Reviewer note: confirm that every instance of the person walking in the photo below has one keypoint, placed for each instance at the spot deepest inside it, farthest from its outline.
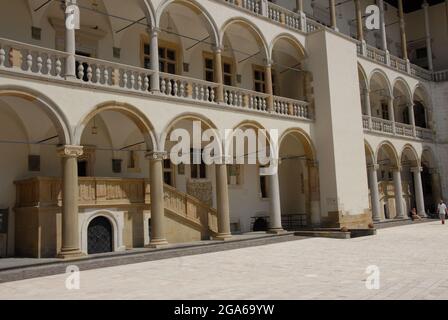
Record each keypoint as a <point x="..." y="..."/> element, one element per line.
<point x="442" y="210"/>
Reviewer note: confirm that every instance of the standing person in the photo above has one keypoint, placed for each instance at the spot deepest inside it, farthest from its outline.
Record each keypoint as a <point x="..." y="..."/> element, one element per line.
<point x="442" y="210"/>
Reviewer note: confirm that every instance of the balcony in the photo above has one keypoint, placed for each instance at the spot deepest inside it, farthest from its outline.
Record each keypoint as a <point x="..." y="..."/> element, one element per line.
<point x="297" y="22"/>
<point x="24" y="60"/>
<point x="387" y="127"/>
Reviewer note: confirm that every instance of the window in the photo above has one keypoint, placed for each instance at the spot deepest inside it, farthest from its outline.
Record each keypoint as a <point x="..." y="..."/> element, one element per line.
<point x="168" y="176"/>
<point x="385" y="111"/>
<point x="264" y="191"/>
<point x="264" y="187"/>
<point x="260" y="80"/>
<point x="167" y="57"/>
<point x="421" y="53"/>
<point x="234" y="174"/>
<point x="209" y="69"/>
<point x="198" y="171"/>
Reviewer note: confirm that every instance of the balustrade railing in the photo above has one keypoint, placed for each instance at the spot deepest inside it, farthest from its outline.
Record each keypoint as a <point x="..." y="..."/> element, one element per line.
<point x="46" y="192"/>
<point x="290" y="107"/>
<point x="375" y="54"/>
<point x="110" y="74"/>
<point x="397" y="128"/>
<point x="188" y="88"/>
<point x="31" y="59"/>
<point x="421" y="73"/>
<point x="284" y="16"/>
<point x="251" y="5"/>
<point x="242" y="98"/>
<point x="440" y="76"/>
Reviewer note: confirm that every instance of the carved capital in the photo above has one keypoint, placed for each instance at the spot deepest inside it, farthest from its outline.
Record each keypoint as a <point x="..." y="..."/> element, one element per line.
<point x="156" y="155"/>
<point x="374" y="167"/>
<point x="218" y="49"/>
<point x="70" y="151"/>
<point x="416" y="169"/>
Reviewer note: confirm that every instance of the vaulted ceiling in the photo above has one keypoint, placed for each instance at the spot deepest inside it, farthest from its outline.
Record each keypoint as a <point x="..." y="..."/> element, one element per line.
<point x="413" y="5"/>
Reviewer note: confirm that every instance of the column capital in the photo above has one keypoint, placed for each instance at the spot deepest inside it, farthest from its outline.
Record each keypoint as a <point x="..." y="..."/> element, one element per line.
<point x="156" y="155"/>
<point x="154" y="31"/>
<point x="425" y="4"/>
<point x="269" y="63"/>
<point x="374" y="167"/>
<point x="416" y="169"/>
<point x="397" y="168"/>
<point x="70" y="2"/>
<point x="218" y="49"/>
<point x="69" y="151"/>
<point x="312" y="164"/>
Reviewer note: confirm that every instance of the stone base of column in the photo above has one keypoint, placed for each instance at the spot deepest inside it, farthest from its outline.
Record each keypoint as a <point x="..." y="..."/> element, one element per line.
<point x="156" y="244"/>
<point x="71" y="254"/>
<point x="222" y="236"/>
<point x="422" y="214"/>
<point x="276" y="231"/>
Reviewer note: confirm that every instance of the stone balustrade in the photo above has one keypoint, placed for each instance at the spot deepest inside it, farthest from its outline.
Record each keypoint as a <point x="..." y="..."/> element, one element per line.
<point x="290" y="107"/>
<point x="242" y="98"/>
<point x="29" y="59"/>
<point x="284" y="16"/>
<point x="188" y="88"/>
<point x="110" y="74"/>
<point x="373" y="124"/>
<point x="24" y="59"/>
<point x="99" y="192"/>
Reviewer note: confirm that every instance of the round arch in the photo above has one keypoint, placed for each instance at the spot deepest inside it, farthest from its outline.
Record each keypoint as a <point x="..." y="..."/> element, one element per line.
<point x="390" y="150"/>
<point x="253" y="28"/>
<point x="370" y="153"/>
<point x="303" y="138"/>
<point x="382" y="77"/>
<point x="365" y="79"/>
<point x="186" y="116"/>
<point x="409" y="150"/>
<point x="50" y="108"/>
<point x="195" y="6"/>
<point x="400" y="82"/>
<point x="291" y="40"/>
<point x="139" y="119"/>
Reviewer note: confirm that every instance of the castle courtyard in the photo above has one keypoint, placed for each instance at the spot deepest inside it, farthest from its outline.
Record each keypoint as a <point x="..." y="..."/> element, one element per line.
<point x="412" y="262"/>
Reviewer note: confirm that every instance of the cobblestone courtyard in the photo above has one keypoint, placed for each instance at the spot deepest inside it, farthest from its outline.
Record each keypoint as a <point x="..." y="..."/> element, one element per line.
<point x="413" y="263"/>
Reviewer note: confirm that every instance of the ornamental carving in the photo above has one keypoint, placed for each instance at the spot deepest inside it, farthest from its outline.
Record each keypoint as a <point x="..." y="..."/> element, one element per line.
<point x="70" y="151"/>
<point x="201" y="190"/>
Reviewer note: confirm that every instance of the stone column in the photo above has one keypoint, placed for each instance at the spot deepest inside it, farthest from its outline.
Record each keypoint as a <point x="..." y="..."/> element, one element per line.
<point x="368" y="107"/>
<point x="70" y="39"/>
<point x="313" y="172"/>
<point x="411" y="116"/>
<point x="435" y="185"/>
<point x="222" y="202"/>
<point x="404" y="45"/>
<point x="333" y="17"/>
<point x="383" y="30"/>
<point x="157" y="199"/>
<point x="392" y="112"/>
<point x="374" y="194"/>
<point x="218" y="74"/>
<point x="269" y="87"/>
<point x="275" y="218"/>
<point x="70" y="232"/>
<point x="154" y="47"/>
<point x="359" y="23"/>
<point x="428" y="35"/>
<point x="419" y="198"/>
<point x="301" y="12"/>
<point x="399" y="208"/>
<point x="299" y="6"/>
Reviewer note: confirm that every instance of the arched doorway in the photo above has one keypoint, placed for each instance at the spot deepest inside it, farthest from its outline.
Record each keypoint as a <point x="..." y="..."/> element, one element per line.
<point x="298" y="181"/>
<point x="99" y="236"/>
<point x="389" y="180"/>
<point x="430" y="181"/>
